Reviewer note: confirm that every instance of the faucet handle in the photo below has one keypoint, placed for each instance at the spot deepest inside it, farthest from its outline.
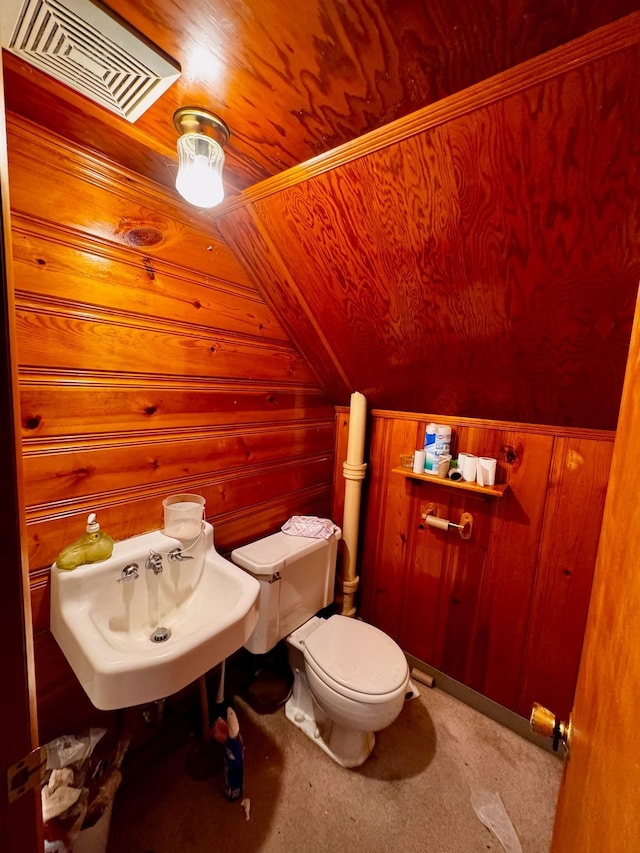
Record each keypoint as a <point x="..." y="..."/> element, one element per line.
<point x="154" y="562"/>
<point x="176" y="554"/>
<point x="129" y="573"/>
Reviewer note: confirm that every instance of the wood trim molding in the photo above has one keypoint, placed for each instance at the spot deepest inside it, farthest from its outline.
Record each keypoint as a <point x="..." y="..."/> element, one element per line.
<point x="570" y="432"/>
<point x="107" y="380"/>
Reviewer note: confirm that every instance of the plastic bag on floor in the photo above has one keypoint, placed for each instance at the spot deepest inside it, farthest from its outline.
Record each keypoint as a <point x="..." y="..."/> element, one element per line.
<point x="490" y="810"/>
<point x="81" y="778"/>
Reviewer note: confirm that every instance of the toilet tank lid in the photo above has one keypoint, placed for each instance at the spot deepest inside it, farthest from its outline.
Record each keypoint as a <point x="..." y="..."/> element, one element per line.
<point x="271" y="554"/>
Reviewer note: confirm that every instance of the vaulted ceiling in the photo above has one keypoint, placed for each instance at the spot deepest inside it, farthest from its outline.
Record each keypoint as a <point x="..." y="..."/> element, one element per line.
<point x="296" y="79"/>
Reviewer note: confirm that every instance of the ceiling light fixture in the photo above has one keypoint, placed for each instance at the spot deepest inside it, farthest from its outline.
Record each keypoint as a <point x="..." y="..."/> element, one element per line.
<point x="200" y="154"/>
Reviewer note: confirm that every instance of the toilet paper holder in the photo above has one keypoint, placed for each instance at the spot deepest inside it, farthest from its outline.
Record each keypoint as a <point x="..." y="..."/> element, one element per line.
<point x="464" y="528"/>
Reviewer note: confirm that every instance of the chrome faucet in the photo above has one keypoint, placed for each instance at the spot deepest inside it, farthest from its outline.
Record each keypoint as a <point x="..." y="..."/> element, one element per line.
<point x="129" y="573"/>
<point x="154" y="562"/>
<point x="177" y="554"/>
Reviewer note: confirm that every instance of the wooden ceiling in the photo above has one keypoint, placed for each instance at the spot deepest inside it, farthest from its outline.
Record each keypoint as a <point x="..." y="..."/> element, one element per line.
<point x="296" y="79"/>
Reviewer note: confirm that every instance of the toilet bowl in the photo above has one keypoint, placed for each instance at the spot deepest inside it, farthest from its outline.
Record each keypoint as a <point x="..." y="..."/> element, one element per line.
<point x="350" y="680"/>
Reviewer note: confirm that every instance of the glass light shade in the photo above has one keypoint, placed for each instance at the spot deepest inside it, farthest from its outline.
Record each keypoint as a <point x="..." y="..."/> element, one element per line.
<point x="200" y="163"/>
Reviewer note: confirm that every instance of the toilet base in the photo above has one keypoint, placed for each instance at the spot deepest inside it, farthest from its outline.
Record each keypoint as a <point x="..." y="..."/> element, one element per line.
<point x="347" y="747"/>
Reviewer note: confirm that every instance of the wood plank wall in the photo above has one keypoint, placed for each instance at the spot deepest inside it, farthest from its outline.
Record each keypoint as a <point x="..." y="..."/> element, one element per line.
<point x="503" y="612"/>
<point x="148" y="365"/>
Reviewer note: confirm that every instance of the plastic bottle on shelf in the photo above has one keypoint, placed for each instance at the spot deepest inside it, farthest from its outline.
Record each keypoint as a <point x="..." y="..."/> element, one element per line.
<point x="430" y="438"/>
<point x="442" y="439"/>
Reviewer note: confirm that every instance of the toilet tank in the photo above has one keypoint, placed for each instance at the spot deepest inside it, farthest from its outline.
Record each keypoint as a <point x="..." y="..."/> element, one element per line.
<point x="296" y="576"/>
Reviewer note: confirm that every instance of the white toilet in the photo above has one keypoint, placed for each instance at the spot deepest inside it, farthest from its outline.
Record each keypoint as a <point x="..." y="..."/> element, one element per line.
<point x="350" y="679"/>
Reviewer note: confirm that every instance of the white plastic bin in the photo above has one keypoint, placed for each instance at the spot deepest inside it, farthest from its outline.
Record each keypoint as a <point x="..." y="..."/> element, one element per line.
<point x="96" y="838"/>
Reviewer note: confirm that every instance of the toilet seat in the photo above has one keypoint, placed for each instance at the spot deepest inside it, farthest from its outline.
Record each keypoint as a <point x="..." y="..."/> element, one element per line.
<point x="357" y="660"/>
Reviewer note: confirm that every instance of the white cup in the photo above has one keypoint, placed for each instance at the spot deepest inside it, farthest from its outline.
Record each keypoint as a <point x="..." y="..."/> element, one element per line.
<point x="486" y="471"/>
<point x="183" y="516"/>
<point x="467" y="464"/>
<point x="418" y="462"/>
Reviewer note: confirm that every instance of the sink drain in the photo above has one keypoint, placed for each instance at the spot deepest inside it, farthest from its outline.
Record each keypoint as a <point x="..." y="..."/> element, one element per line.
<point x="160" y="635"/>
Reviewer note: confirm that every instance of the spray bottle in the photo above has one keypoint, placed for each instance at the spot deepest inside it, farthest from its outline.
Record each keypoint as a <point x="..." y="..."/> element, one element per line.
<point x="233" y="758"/>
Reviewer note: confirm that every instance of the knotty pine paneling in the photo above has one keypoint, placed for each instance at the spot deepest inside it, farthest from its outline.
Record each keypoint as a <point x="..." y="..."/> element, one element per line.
<point x="96" y="341"/>
<point x="484" y="265"/>
<point x="63" y="473"/>
<point x="61" y="405"/>
<point x="504" y="611"/>
<point x="146" y="369"/>
<point x="505" y="600"/>
<point x="386" y="526"/>
<point x="567" y="555"/>
<point x="462" y="577"/>
<point x="57" y="265"/>
<point x="95" y="199"/>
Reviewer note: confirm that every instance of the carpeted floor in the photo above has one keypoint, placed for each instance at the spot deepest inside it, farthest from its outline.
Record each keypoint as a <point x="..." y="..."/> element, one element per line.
<point x="413" y="794"/>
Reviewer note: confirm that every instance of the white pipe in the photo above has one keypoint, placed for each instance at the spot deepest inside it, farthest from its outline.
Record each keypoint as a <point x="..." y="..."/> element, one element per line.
<point x="353" y="471"/>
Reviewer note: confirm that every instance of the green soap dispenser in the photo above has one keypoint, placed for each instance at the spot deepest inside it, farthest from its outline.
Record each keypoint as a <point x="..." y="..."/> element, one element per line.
<point x="92" y="547"/>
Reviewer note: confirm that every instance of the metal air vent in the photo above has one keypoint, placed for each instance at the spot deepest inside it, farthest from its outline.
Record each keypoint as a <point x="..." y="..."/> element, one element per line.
<point x="89" y="50"/>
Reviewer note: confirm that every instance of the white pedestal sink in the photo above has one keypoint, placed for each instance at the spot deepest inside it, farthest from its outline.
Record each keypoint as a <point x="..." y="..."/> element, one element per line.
<point x="112" y="625"/>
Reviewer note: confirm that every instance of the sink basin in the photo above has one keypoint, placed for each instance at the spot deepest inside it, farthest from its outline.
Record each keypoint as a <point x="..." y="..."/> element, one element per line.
<point x="198" y="611"/>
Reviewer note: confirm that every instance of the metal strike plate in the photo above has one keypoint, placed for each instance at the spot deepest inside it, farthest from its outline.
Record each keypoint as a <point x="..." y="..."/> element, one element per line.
<point x="26" y="774"/>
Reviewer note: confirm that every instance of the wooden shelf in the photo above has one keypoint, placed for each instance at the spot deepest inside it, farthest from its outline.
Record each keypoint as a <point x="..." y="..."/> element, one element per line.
<point x="496" y="491"/>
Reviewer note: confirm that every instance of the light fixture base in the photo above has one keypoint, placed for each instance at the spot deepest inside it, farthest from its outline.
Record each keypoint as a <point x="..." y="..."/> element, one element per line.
<point x="199" y="120"/>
